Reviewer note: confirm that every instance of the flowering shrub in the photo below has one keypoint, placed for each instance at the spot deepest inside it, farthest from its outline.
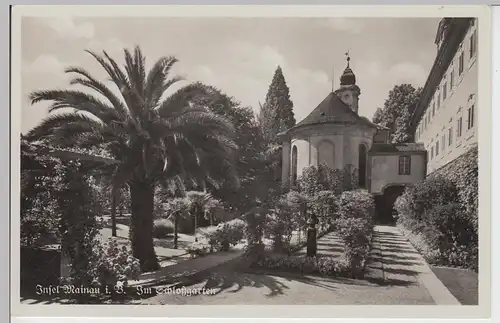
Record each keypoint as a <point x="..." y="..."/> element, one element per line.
<point x="162" y="228"/>
<point x="198" y="248"/>
<point x="433" y="215"/>
<point x="354" y="226"/>
<point x="113" y="264"/>
<point x="463" y="172"/>
<point x="307" y="265"/>
<point x="281" y="221"/>
<point x="419" y="198"/>
<point x="324" y="206"/>
<point x="220" y="237"/>
<point x="447" y="237"/>
<point x="319" y="178"/>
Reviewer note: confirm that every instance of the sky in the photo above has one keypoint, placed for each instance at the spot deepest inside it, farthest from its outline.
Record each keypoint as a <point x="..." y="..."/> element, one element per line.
<point x="237" y="55"/>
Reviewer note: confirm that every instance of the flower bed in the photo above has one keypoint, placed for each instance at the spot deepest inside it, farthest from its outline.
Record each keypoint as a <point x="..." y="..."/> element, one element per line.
<point x="326" y="266"/>
<point x="218" y="238"/>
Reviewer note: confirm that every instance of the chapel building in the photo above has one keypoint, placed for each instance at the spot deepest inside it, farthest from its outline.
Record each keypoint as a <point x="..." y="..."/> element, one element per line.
<point x="336" y="135"/>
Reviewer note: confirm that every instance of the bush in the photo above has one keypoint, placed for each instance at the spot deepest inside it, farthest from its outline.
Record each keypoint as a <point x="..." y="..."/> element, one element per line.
<point x="463" y="172"/>
<point x="222" y="236"/>
<point x="113" y="264"/>
<point x="324" y="206"/>
<point x="198" y="249"/>
<point x="435" y="219"/>
<point x="319" y="178"/>
<point x="419" y="198"/>
<point x="162" y="228"/>
<point x="448" y="237"/>
<point x="354" y="226"/>
<point x="281" y="222"/>
<point x="306" y="265"/>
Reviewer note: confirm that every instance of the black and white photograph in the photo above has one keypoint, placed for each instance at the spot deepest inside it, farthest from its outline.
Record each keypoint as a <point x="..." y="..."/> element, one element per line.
<point x="250" y="160"/>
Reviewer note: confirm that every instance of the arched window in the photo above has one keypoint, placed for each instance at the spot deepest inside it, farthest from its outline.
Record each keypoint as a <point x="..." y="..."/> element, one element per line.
<point x="294" y="165"/>
<point x="326" y="154"/>
<point x="362" y="165"/>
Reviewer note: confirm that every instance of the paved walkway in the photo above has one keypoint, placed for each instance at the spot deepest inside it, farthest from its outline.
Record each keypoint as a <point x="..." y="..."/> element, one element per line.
<point x="395" y="275"/>
<point x="185" y="269"/>
<point x="394" y="261"/>
<point x="328" y="245"/>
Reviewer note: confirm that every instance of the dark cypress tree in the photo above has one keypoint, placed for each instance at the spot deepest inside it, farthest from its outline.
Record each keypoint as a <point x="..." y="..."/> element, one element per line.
<point x="276" y="113"/>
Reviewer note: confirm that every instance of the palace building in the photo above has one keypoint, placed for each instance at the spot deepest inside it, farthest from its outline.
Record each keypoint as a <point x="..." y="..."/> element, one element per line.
<point x="445" y="119"/>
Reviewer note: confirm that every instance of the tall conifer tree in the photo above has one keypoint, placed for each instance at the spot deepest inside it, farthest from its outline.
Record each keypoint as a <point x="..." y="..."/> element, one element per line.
<point x="276" y="113"/>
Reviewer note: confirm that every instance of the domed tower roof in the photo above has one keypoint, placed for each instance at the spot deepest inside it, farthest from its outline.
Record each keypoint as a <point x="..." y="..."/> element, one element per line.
<point x="348" y="77"/>
<point x="333" y="111"/>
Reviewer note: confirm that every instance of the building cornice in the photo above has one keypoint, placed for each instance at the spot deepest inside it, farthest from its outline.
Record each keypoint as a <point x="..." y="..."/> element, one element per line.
<point x="456" y="31"/>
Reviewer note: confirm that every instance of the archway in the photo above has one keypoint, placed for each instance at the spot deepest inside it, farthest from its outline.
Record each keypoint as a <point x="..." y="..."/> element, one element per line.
<point x="384" y="203"/>
<point x="294" y="165"/>
<point x="362" y="166"/>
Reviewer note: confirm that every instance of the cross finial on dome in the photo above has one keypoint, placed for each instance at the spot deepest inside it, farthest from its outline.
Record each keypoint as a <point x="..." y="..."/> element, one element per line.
<point x="348" y="77"/>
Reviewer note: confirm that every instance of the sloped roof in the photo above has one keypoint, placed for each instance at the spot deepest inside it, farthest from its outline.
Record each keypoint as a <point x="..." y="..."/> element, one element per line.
<point x="394" y="148"/>
<point x="380" y="127"/>
<point x="333" y="110"/>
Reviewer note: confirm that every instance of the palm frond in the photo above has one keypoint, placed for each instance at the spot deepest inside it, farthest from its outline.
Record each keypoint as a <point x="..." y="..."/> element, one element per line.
<point x="156" y="78"/>
<point x="98" y="86"/>
<point x="207" y="122"/>
<point x="77" y="100"/>
<point x="50" y="124"/>
<point x="136" y="81"/>
<point x="181" y="99"/>
<point x="119" y="78"/>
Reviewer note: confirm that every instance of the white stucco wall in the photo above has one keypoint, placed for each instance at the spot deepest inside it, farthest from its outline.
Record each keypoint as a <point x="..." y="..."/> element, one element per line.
<point x="303" y="153"/>
<point x="384" y="171"/>
<point x="455" y="106"/>
<point x="335" y="150"/>
<point x="339" y="146"/>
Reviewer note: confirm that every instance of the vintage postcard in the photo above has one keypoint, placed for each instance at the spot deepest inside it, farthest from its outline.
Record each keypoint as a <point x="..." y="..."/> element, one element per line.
<point x="251" y="158"/>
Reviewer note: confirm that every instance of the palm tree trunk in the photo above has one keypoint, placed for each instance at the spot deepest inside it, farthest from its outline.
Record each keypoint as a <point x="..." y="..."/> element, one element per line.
<point x="176" y="230"/>
<point x="141" y="229"/>
<point x="195" y="219"/>
<point x="113" y="211"/>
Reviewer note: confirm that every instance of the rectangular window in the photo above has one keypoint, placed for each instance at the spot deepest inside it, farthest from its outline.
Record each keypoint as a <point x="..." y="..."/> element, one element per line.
<point x="461" y="64"/>
<point x="432" y="151"/>
<point x="433" y="108"/>
<point x="404" y="165"/>
<point x="438" y="100"/>
<point x="470" y="121"/>
<point x="452" y="75"/>
<point x="443" y="142"/>
<point x="459" y="127"/>
<point x="444" y="90"/>
<point x="450" y="136"/>
<point x="437" y="147"/>
<point x="473" y="44"/>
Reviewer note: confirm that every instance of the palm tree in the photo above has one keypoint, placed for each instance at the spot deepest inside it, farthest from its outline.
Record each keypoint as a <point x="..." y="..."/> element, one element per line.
<point x="155" y="137"/>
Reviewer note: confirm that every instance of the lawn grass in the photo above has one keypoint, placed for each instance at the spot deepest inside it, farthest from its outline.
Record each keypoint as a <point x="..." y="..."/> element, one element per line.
<point x="463" y="284"/>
